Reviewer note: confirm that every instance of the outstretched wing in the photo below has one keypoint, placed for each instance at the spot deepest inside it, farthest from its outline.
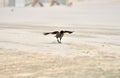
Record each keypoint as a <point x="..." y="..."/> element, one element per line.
<point x="55" y="32"/>
<point x="68" y="32"/>
<point x="46" y="33"/>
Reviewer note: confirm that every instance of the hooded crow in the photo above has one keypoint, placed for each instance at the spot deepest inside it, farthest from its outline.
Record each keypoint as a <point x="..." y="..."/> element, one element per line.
<point x="58" y="34"/>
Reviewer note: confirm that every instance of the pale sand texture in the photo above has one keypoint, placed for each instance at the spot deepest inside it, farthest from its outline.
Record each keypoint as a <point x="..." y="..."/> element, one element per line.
<point x="34" y="65"/>
<point x="90" y="52"/>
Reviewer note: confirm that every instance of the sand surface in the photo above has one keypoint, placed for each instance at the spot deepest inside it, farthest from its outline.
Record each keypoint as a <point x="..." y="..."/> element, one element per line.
<point x="92" y="51"/>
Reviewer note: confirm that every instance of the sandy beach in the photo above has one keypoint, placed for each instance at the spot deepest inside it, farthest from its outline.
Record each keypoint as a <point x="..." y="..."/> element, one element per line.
<point x="90" y="52"/>
<point x="34" y="65"/>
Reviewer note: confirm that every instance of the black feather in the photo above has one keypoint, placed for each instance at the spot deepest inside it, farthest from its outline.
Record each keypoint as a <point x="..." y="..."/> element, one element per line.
<point x="46" y="33"/>
<point x="68" y="32"/>
<point x="55" y="32"/>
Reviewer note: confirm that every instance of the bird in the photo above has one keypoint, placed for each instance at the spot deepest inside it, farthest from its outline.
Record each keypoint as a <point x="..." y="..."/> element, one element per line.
<point x="58" y="34"/>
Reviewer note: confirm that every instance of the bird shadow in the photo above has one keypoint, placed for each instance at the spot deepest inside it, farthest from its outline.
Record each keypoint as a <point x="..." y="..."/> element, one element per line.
<point x="56" y="43"/>
<point x="52" y="42"/>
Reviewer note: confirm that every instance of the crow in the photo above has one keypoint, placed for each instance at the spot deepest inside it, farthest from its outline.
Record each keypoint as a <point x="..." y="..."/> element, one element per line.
<point x="58" y="34"/>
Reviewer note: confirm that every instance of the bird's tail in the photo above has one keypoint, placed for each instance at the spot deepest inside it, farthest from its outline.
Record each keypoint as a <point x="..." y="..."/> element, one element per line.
<point x="46" y="33"/>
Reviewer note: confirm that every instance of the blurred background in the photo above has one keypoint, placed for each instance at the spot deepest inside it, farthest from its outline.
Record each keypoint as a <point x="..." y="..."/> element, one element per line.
<point x="91" y="12"/>
<point x="42" y="3"/>
<point x="33" y="3"/>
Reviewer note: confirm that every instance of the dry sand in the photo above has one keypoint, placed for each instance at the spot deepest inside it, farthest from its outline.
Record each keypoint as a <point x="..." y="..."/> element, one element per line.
<point x="90" y="52"/>
<point x="33" y="65"/>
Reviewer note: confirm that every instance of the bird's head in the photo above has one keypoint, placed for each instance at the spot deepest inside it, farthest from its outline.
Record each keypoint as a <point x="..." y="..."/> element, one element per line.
<point x="61" y="31"/>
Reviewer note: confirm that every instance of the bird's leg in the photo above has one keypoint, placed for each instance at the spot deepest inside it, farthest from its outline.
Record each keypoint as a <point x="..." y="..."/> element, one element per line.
<point x="58" y="40"/>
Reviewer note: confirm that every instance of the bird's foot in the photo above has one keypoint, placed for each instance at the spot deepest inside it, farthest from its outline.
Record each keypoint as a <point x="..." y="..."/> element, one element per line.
<point x="59" y="42"/>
